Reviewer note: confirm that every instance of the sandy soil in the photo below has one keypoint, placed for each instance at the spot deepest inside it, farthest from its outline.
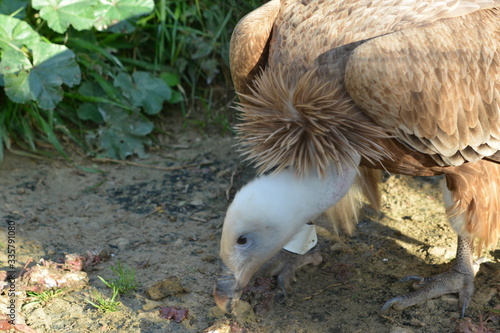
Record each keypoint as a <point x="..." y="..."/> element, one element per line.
<point x="166" y="225"/>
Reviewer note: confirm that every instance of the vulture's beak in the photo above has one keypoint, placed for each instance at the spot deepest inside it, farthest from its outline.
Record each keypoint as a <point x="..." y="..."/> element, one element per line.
<point x="226" y="291"/>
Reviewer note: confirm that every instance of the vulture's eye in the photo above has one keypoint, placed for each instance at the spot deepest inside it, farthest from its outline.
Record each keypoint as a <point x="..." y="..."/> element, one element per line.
<point x="242" y="240"/>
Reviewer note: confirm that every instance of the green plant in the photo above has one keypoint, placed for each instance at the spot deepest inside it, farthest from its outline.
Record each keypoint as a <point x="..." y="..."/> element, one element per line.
<point x="125" y="281"/>
<point x="104" y="304"/>
<point x="98" y="72"/>
<point x="66" y="59"/>
<point x="44" y="296"/>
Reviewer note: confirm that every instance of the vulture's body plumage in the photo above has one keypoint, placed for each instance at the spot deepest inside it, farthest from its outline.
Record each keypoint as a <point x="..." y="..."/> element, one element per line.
<point x="326" y="87"/>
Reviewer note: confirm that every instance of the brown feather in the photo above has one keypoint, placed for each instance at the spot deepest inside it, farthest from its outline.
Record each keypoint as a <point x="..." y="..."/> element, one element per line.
<point x="305" y="124"/>
<point x="475" y="188"/>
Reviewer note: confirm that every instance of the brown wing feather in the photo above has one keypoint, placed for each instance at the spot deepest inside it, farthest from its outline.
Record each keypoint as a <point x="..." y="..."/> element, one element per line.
<point x="438" y="86"/>
<point x="306" y="29"/>
<point x="297" y="111"/>
<point x="250" y="44"/>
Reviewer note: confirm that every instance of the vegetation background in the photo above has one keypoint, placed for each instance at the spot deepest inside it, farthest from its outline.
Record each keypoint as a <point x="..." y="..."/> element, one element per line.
<point x="98" y="76"/>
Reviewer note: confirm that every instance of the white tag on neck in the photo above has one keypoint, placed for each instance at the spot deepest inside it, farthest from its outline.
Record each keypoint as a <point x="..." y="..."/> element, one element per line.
<point x="303" y="241"/>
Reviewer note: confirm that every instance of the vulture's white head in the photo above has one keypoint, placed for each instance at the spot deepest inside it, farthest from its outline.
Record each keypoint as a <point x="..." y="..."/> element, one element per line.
<point x="265" y="215"/>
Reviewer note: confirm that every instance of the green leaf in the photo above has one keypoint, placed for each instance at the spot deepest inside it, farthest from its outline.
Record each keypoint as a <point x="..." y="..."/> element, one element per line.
<point x="144" y="90"/>
<point x="83" y="14"/>
<point x="177" y="97"/>
<point x="15" y="33"/>
<point x="124" y="135"/>
<point x="33" y="69"/>
<point x="17" y="87"/>
<point x="171" y="79"/>
<point x="88" y="111"/>
<point x="110" y="12"/>
<point x="60" y="14"/>
<point x="53" y="66"/>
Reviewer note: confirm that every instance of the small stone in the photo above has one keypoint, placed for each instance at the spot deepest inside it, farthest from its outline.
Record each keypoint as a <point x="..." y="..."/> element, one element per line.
<point x="209" y="258"/>
<point x="244" y="312"/>
<point x="120" y="243"/>
<point x="167" y="287"/>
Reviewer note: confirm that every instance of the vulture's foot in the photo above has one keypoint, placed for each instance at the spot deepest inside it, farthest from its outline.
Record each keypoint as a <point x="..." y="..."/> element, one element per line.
<point x="262" y="295"/>
<point x="285" y="264"/>
<point x="460" y="279"/>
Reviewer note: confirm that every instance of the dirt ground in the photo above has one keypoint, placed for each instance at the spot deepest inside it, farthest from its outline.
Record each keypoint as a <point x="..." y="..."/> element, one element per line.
<point x="166" y="225"/>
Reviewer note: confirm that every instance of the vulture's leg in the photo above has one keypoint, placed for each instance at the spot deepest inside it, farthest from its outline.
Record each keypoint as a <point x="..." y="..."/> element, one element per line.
<point x="460" y="279"/>
<point x="284" y="265"/>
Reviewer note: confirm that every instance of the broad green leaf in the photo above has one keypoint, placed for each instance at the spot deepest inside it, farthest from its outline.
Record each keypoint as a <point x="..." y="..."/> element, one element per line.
<point x="144" y="90"/>
<point x="53" y="65"/>
<point x="90" y="88"/>
<point x="89" y="111"/>
<point x="60" y="14"/>
<point x="171" y="79"/>
<point x="14" y="61"/>
<point x="33" y="69"/>
<point x="17" y="87"/>
<point x="120" y="146"/>
<point x="110" y="12"/>
<point x="15" y="33"/>
<point x="124" y="135"/>
<point x="8" y="7"/>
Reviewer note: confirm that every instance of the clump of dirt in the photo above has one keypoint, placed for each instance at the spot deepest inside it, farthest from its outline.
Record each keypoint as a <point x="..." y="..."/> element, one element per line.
<point x="163" y="218"/>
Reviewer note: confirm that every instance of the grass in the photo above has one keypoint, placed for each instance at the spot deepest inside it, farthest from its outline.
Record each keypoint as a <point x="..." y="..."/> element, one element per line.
<point x="104" y="304"/>
<point x="124" y="283"/>
<point x="44" y="296"/>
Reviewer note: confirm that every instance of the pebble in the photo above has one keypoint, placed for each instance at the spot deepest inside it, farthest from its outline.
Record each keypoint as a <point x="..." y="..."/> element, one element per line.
<point x="120" y="243"/>
<point x="167" y="287"/>
<point x="209" y="258"/>
<point x="441" y="252"/>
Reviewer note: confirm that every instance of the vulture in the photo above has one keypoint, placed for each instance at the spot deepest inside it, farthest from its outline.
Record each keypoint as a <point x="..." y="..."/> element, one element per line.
<point x="330" y="90"/>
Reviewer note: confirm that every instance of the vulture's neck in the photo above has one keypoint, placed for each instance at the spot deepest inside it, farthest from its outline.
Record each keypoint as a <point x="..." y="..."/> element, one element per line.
<point x="314" y="194"/>
<point x="285" y="199"/>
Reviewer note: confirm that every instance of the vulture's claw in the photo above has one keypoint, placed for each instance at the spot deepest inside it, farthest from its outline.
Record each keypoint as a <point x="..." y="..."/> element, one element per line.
<point x="460" y="280"/>
<point x="428" y="288"/>
<point x="290" y="263"/>
<point x="285" y="264"/>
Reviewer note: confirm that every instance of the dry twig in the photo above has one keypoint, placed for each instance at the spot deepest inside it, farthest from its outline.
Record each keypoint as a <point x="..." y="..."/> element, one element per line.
<point x="141" y="165"/>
